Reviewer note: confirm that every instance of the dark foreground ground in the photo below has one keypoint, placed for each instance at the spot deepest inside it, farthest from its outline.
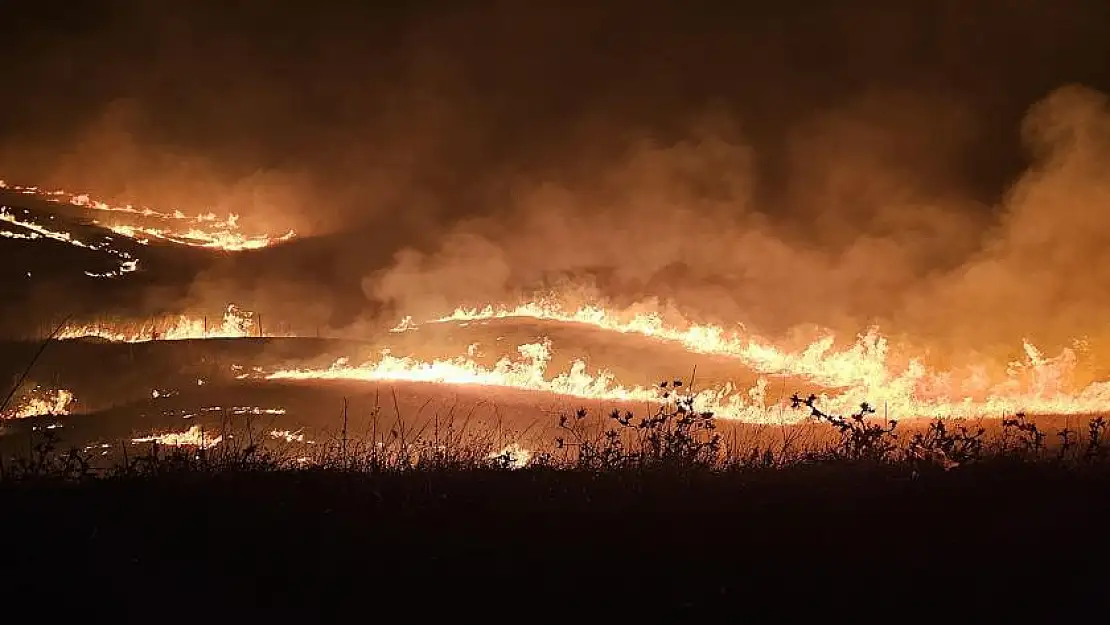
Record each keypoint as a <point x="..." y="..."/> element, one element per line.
<point x="564" y="546"/>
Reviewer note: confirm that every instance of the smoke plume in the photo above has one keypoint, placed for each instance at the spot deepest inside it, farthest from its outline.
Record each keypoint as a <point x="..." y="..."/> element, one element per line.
<point x="847" y="165"/>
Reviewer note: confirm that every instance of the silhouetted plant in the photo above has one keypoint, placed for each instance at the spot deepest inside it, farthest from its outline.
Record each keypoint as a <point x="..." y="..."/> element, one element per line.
<point x="860" y="439"/>
<point x="45" y="462"/>
<point x="947" y="447"/>
<point x="1067" y="443"/>
<point x="1095" y="450"/>
<point x="755" y="458"/>
<point x="1028" y="439"/>
<point x="595" y="450"/>
<point x="677" y="436"/>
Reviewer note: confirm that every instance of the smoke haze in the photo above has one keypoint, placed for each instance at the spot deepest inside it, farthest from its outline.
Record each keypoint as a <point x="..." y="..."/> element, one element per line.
<point x="938" y="168"/>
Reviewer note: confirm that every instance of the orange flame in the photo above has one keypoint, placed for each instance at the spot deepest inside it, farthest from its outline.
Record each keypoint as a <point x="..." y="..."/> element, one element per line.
<point x="288" y="436"/>
<point x="528" y="373"/>
<point x="55" y="402"/>
<point x="865" y="361"/>
<point x="205" y="230"/>
<point x="513" y="455"/>
<point x="127" y="263"/>
<point x="236" y="323"/>
<point x="863" y="372"/>
<point x="193" y="437"/>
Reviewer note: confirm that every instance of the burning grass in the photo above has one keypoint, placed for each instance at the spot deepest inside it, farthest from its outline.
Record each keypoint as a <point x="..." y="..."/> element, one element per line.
<point x="142" y="224"/>
<point x="235" y="323"/>
<point x="677" y="437"/>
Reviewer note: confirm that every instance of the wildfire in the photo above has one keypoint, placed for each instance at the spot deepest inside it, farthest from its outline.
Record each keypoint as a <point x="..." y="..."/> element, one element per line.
<point x="867" y="370"/>
<point x="255" y="410"/>
<point x="206" y="230"/>
<point x="236" y="323"/>
<point x="863" y="362"/>
<point x="513" y="455"/>
<point x="127" y="263"/>
<point x="863" y="372"/>
<point x="287" y="436"/>
<point x="195" y="436"/>
<point x="226" y="240"/>
<point x="41" y="403"/>
<point x="528" y="373"/>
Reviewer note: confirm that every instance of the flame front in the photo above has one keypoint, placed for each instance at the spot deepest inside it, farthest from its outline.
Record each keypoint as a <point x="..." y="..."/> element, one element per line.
<point x="862" y="372"/>
<point x="127" y="263"/>
<point x="40" y="403"/>
<point x="864" y="362"/>
<point x="205" y="230"/>
<point x="226" y="240"/>
<point x="193" y="437"/>
<point x="528" y="374"/>
<point x="236" y="323"/>
<point x="525" y="374"/>
<point x="868" y="370"/>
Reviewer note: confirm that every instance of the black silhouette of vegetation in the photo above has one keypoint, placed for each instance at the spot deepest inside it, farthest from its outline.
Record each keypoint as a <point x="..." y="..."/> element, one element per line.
<point x="657" y="514"/>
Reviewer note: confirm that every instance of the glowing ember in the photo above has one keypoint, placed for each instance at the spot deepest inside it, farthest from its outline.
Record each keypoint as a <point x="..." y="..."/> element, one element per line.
<point x="255" y="410"/>
<point x="236" y="323"/>
<point x="193" y="437"/>
<point x="513" y="455"/>
<point x="41" y="403"/>
<point x="287" y="436"/>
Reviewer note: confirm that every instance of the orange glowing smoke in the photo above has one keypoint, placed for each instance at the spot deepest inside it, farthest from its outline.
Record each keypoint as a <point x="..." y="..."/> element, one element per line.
<point x="869" y="370"/>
